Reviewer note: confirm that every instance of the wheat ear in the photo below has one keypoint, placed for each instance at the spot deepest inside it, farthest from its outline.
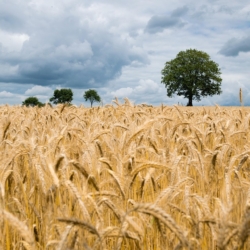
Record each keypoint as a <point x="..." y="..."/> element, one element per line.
<point x="151" y="164"/>
<point x="90" y="228"/>
<point x="91" y="179"/>
<point x="118" y="181"/>
<point x="5" y="129"/>
<point x="74" y="190"/>
<point x="21" y="228"/>
<point x="111" y="205"/>
<point x="106" y="233"/>
<point x="157" y="212"/>
<point x="64" y="237"/>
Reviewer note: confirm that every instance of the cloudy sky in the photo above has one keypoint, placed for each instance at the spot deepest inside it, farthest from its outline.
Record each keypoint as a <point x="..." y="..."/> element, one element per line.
<point x="118" y="47"/>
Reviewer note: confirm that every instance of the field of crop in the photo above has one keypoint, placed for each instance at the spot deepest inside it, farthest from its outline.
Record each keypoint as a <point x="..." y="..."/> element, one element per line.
<point x="124" y="177"/>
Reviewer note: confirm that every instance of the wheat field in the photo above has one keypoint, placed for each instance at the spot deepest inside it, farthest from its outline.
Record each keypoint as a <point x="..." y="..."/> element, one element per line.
<point x="124" y="177"/>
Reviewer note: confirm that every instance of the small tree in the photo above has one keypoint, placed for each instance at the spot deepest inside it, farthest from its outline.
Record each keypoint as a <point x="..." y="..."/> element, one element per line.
<point x="192" y="74"/>
<point x="62" y="96"/>
<point x="31" y="102"/>
<point x="92" y="96"/>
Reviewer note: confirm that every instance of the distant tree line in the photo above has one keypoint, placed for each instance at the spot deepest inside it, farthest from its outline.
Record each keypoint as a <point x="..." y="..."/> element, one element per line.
<point x="191" y="74"/>
<point x="63" y="96"/>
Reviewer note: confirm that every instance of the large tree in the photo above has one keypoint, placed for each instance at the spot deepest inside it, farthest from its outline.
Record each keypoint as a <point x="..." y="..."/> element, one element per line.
<point x="92" y="96"/>
<point x="192" y="74"/>
<point x="62" y="96"/>
<point x="32" y="101"/>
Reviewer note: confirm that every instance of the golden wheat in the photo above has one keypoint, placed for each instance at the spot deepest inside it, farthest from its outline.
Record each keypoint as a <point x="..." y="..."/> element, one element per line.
<point x="125" y="177"/>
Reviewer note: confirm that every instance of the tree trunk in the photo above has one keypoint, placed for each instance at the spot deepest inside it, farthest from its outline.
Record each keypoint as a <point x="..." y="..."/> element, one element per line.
<point x="190" y="100"/>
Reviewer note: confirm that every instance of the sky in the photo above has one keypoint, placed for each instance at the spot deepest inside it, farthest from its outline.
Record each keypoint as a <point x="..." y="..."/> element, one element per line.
<point x="119" y="48"/>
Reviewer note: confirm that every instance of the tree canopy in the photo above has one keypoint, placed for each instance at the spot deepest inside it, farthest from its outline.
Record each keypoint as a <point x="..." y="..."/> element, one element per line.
<point x="31" y="102"/>
<point x="62" y="96"/>
<point x="193" y="75"/>
<point x="92" y="96"/>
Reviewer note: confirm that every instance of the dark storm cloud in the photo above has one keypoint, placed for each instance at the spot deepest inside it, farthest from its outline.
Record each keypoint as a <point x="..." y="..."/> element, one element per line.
<point x="76" y="65"/>
<point x="234" y="46"/>
<point x="65" y="49"/>
<point x="159" y="23"/>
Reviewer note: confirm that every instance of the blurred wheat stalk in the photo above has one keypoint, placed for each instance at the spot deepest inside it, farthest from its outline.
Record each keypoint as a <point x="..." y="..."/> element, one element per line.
<point x="241" y="97"/>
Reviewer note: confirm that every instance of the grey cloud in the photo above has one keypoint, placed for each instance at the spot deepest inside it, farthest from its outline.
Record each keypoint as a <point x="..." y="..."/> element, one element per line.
<point x="68" y="49"/>
<point x="234" y="46"/>
<point x="9" y="22"/>
<point x="159" y="23"/>
<point x="93" y="67"/>
<point x="13" y="16"/>
<point x="133" y="33"/>
<point x="225" y="9"/>
<point x="180" y="11"/>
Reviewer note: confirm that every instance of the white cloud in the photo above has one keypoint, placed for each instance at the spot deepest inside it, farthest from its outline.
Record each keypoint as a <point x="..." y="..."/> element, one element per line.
<point x="12" y="42"/>
<point x="39" y="90"/>
<point x="144" y="91"/>
<point x="5" y="94"/>
<point x="122" y="92"/>
<point x="147" y="86"/>
<point x="11" y="98"/>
